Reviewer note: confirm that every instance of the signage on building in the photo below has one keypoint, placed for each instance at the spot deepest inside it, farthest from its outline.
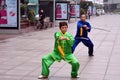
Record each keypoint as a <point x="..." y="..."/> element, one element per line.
<point x="9" y="14"/>
<point x="74" y="10"/>
<point x="61" y="11"/>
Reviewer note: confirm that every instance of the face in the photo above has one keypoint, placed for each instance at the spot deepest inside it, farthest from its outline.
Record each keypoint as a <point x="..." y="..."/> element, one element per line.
<point x="83" y="17"/>
<point x="64" y="29"/>
<point x="41" y="10"/>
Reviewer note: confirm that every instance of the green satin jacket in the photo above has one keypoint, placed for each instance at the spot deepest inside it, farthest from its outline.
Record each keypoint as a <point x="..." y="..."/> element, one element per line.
<point x="66" y="47"/>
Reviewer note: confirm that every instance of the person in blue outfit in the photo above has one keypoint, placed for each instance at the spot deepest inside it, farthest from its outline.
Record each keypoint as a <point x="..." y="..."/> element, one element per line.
<point x="83" y="27"/>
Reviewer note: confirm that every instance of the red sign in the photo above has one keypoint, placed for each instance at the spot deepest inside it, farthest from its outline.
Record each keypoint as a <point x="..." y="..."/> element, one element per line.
<point x="61" y="11"/>
<point x="83" y="0"/>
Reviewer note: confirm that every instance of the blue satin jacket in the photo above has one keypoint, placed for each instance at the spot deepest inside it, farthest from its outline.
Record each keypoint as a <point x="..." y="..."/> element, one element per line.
<point x="85" y="32"/>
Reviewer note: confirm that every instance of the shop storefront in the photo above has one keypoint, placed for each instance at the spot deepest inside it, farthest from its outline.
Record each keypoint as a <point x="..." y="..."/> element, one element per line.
<point x="28" y="5"/>
<point x="28" y="10"/>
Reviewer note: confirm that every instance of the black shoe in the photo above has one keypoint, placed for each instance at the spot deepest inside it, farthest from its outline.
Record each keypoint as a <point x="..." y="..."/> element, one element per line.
<point x="91" y="55"/>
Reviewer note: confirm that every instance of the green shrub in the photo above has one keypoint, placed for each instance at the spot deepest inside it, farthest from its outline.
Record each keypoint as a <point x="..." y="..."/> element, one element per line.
<point x="31" y="15"/>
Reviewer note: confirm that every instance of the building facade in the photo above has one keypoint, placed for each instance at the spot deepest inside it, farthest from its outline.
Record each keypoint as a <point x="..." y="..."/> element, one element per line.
<point x="111" y="5"/>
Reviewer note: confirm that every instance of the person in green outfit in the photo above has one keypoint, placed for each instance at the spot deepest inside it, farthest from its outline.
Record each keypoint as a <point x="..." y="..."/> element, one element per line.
<point x="62" y="51"/>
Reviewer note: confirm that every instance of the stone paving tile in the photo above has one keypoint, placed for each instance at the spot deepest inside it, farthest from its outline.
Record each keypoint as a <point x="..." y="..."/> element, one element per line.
<point x="114" y="70"/>
<point x="6" y="67"/>
<point x="12" y="63"/>
<point x="10" y="77"/>
<point x="61" y="78"/>
<point x="18" y="72"/>
<point x="112" y="77"/>
<point x="92" y="76"/>
<point x="35" y="73"/>
<point x="94" y="69"/>
<point x="30" y="78"/>
<point x="3" y="71"/>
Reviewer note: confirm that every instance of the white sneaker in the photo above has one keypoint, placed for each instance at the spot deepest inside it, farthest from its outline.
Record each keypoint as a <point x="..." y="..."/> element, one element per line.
<point x="76" y="77"/>
<point x="42" y="77"/>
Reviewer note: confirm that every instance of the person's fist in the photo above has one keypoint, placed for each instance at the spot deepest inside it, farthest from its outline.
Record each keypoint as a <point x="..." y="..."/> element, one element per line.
<point x="63" y="38"/>
<point x="86" y="27"/>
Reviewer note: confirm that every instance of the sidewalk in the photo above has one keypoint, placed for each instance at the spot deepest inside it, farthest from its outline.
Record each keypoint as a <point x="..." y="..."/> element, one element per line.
<point x="20" y="57"/>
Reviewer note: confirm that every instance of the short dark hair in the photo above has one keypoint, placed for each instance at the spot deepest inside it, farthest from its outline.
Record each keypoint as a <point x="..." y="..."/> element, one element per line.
<point x="82" y="14"/>
<point x="63" y="24"/>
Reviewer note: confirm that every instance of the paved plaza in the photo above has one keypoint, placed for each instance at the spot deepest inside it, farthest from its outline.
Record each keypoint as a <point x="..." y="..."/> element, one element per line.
<point x="20" y="57"/>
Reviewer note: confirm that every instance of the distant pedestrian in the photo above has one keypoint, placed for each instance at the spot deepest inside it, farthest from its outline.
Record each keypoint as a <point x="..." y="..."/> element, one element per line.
<point x="83" y="27"/>
<point x="42" y="17"/>
<point x="88" y="13"/>
<point x="37" y="22"/>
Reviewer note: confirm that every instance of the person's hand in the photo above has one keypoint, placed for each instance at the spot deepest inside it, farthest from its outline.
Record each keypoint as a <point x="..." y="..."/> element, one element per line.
<point x="66" y="38"/>
<point x="86" y="27"/>
<point x="63" y="38"/>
